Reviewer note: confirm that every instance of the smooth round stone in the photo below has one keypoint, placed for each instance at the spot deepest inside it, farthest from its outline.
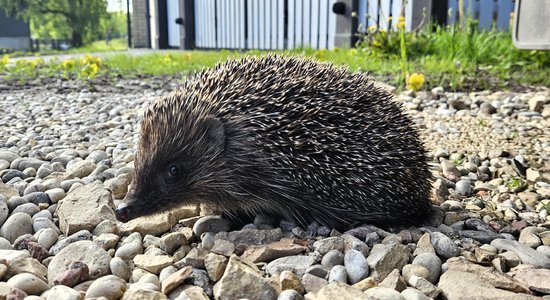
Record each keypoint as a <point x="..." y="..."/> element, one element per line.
<point x="37" y="198"/>
<point x="213" y="224"/>
<point x="431" y="262"/>
<point x="28" y="283"/>
<point x="16" y="225"/>
<point x="98" y="155"/>
<point x="47" y="237"/>
<point x="44" y="171"/>
<point x="150" y="278"/>
<point x="44" y="223"/>
<point x="4" y="210"/>
<point x="131" y="247"/>
<point x="15" y="202"/>
<point x="42" y="214"/>
<point x="119" y="268"/>
<point x="61" y="292"/>
<point x="4" y="164"/>
<point x="338" y="273"/>
<point x="383" y="293"/>
<point x="356" y="266"/>
<point x="5" y="244"/>
<point x="11" y="174"/>
<point x="443" y="245"/>
<point x="109" y="286"/>
<point x="332" y="258"/>
<point x="290" y="295"/>
<point x="28" y="208"/>
<point x="55" y="194"/>
<point x="544" y="250"/>
<point x="164" y="273"/>
<point x="34" y="188"/>
<point x="414" y="270"/>
<point x="463" y="187"/>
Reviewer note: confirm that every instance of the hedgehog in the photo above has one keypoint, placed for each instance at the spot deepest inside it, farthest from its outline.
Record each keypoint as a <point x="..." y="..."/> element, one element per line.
<point x="282" y="136"/>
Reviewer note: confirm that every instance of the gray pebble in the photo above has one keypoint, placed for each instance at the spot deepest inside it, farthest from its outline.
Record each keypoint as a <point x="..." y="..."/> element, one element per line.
<point x="432" y="263"/>
<point x="167" y="271"/>
<point x="338" y="273"/>
<point x="37" y="198"/>
<point x="463" y="187"/>
<point x="526" y="254"/>
<point x="47" y="237"/>
<point x="42" y="214"/>
<point x="16" y="225"/>
<point x="212" y="224"/>
<point x="44" y="223"/>
<point x="443" y="245"/>
<point x="55" y="194"/>
<point x="81" y="235"/>
<point x="317" y="270"/>
<point x="5" y="244"/>
<point x="356" y="266"/>
<point x="332" y="258"/>
<point x="131" y="247"/>
<point x="15" y="202"/>
<point x="290" y="295"/>
<point x="28" y="208"/>
<point x="119" y="268"/>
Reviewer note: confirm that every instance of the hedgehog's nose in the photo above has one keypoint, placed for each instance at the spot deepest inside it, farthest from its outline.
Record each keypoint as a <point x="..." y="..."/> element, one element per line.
<point x="122" y="212"/>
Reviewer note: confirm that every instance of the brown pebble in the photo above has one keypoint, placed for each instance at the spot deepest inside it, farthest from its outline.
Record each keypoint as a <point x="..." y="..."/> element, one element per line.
<point x="21" y="243"/>
<point x="76" y="273"/>
<point x="38" y="251"/>
<point x="16" y="294"/>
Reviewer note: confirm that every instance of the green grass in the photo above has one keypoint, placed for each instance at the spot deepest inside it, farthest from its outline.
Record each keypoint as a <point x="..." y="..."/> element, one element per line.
<point x="97" y="46"/>
<point x="459" y="59"/>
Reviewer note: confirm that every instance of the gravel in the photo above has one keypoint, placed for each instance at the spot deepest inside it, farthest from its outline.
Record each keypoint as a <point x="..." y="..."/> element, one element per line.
<point x="66" y="159"/>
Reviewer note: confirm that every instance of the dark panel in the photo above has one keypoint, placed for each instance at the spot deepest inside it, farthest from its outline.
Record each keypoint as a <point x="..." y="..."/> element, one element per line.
<point x="12" y="27"/>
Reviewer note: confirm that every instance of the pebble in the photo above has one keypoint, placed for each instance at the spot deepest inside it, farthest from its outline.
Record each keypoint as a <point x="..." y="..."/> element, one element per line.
<point x="16" y="225"/>
<point x="338" y="273"/>
<point x="213" y="224"/>
<point x="443" y="245"/>
<point x="109" y="286"/>
<point x="28" y="283"/>
<point x="119" y="268"/>
<point x="332" y="258"/>
<point x="356" y="266"/>
<point x="97" y="259"/>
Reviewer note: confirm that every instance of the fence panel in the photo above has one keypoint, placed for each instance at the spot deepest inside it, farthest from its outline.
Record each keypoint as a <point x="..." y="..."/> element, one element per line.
<point x="281" y="24"/>
<point x="323" y="24"/>
<point x="291" y="24"/>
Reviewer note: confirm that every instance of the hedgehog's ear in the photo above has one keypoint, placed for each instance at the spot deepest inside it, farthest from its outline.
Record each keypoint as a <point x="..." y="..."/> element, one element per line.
<point x="215" y="132"/>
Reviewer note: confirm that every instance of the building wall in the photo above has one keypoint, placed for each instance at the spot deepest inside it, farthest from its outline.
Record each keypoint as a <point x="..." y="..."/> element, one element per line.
<point x="140" y="24"/>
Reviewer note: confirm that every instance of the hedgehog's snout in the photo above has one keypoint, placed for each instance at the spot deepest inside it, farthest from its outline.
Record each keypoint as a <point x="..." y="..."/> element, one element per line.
<point x="122" y="212"/>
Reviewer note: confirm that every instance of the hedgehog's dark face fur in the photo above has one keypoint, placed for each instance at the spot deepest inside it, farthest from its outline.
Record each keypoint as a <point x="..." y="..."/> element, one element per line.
<point x="177" y="156"/>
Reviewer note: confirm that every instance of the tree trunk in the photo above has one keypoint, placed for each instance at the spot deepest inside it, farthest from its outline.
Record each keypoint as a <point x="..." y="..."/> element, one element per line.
<point x="77" y="39"/>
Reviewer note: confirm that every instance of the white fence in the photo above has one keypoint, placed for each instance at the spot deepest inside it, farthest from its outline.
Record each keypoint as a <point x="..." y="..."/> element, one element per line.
<point x="264" y="24"/>
<point x="287" y="24"/>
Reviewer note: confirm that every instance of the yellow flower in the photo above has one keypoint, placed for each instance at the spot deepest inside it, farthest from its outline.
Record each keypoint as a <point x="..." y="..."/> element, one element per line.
<point x="390" y="18"/>
<point x="415" y="81"/>
<point x="4" y="61"/>
<point x="188" y="56"/>
<point x="68" y="64"/>
<point x="39" y="61"/>
<point x="90" y="70"/>
<point x="372" y="28"/>
<point x="89" y="59"/>
<point x="352" y="51"/>
<point x="376" y="44"/>
<point x="400" y="24"/>
<point x="319" y="54"/>
<point x="401" y="19"/>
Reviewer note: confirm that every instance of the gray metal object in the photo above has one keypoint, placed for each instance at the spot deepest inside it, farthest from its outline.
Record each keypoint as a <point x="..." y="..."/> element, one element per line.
<point x="532" y="24"/>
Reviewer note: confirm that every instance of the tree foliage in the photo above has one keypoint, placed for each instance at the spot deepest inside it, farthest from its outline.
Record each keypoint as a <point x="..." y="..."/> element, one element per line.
<point x="74" y="19"/>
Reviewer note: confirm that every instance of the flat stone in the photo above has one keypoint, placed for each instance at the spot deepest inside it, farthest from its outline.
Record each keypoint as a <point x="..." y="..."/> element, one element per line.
<point x="26" y="265"/>
<point x="332" y="243"/>
<point x="465" y="285"/>
<point x="537" y="280"/>
<point x="223" y="247"/>
<point x="87" y="252"/>
<point x="313" y="283"/>
<point x="296" y="264"/>
<point x="215" y="265"/>
<point x="383" y="293"/>
<point x="384" y="258"/>
<point x="337" y="290"/>
<point x="143" y="294"/>
<point x="84" y="208"/>
<point x="269" y="252"/>
<point x="80" y="169"/>
<point x="423" y="285"/>
<point x="175" y="279"/>
<point x="119" y="185"/>
<point x="488" y="275"/>
<point x="82" y="235"/>
<point x="443" y="245"/>
<point x="172" y="241"/>
<point x="246" y="274"/>
<point x="526" y="254"/>
<point x="8" y="191"/>
<point x="394" y="281"/>
<point x="152" y="263"/>
<point x="413" y="294"/>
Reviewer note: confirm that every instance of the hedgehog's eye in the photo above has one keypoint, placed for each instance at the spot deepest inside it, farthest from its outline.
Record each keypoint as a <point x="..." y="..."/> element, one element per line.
<point x="174" y="171"/>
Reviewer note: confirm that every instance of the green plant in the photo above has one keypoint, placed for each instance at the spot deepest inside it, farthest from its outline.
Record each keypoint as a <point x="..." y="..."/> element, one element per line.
<point x="515" y="183"/>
